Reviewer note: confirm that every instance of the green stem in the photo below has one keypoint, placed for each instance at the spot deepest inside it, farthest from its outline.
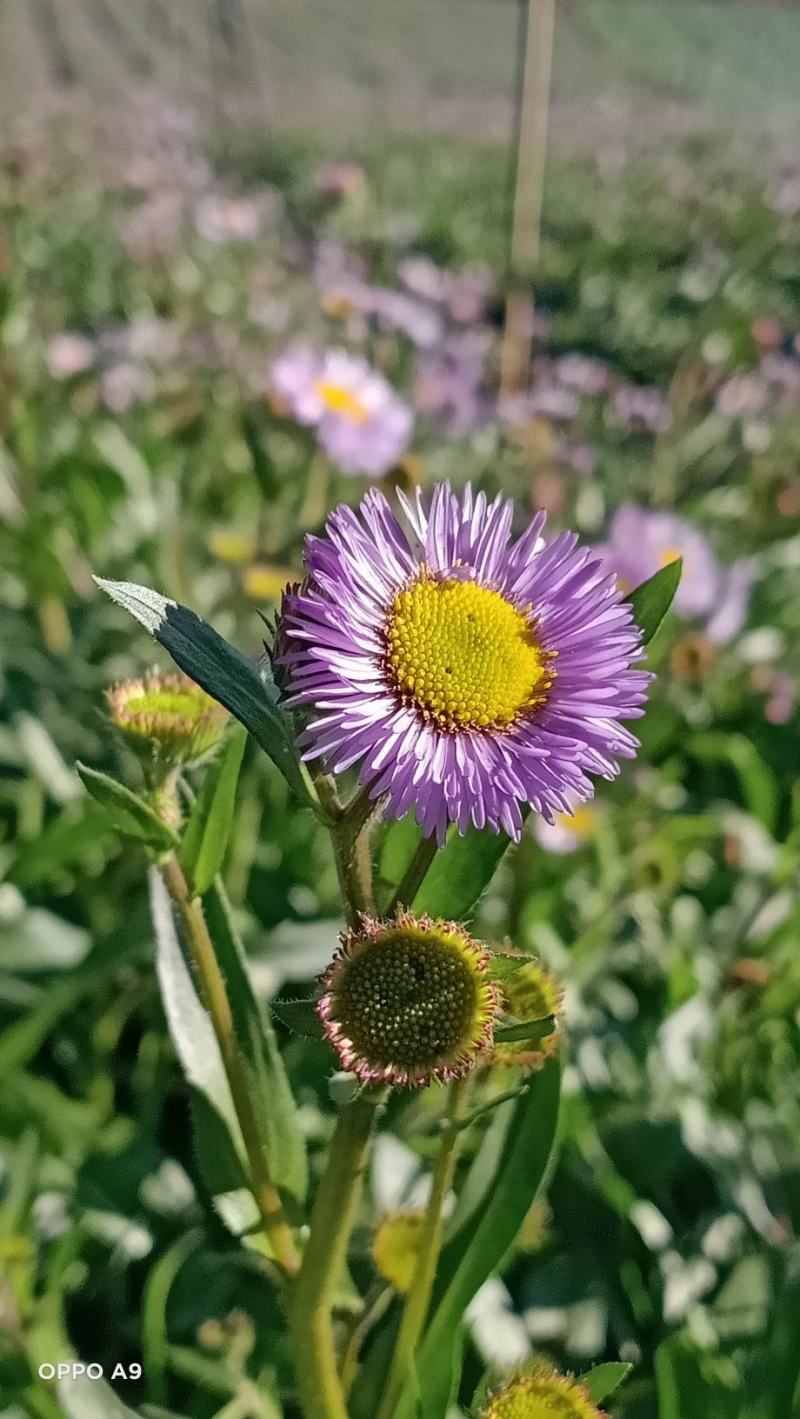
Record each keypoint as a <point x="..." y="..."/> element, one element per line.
<point x="334" y="1213"/>
<point x="414" y="874"/>
<point x="351" y="845"/>
<point x="215" y="996"/>
<point x="430" y="1245"/>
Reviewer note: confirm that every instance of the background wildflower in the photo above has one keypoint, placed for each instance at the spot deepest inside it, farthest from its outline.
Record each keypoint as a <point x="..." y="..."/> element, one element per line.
<point x="360" y="422"/>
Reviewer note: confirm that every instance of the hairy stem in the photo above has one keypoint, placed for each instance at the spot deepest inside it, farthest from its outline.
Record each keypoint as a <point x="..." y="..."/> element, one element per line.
<point x="215" y="997"/>
<point x="351" y="845"/>
<point x="335" y="1208"/>
<point x="419" y="1296"/>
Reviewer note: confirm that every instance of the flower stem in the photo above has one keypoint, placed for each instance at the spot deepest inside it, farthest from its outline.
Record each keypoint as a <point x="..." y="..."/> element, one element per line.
<point x="351" y="845"/>
<point x="419" y="1296"/>
<point x="414" y="874"/>
<point x="215" y="996"/>
<point x="334" y="1213"/>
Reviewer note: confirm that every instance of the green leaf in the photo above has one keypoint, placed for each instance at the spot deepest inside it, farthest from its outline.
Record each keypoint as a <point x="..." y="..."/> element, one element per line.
<point x="129" y="813"/>
<point x="523" y="1132"/>
<point x="603" y="1380"/>
<point x="400" y="840"/>
<point x="531" y="1031"/>
<point x="758" y="783"/>
<point x="82" y="1398"/>
<point x="460" y="873"/>
<point x="772" y="1384"/>
<point x="269" y="1085"/>
<point x="205" y="838"/>
<point x="197" y="1048"/>
<point x="221" y="670"/>
<point x="692" y="1381"/>
<point x="76" y="836"/>
<point x="651" y="601"/>
<point x="155" y="1344"/>
<point x="38" y="940"/>
<point x="300" y="1016"/>
<point x="189" y="1024"/>
<point x="221" y="1167"/>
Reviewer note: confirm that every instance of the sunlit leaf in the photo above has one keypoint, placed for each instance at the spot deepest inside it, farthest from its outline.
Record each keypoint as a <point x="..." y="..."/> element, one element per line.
<point x="205" y="838"/>
<point x="460" y="873"/>
<point x="652" y="599"/>
<point x="221" y="670"/>
<point x="603" y="1380"/>
<point x="129" y="813"/>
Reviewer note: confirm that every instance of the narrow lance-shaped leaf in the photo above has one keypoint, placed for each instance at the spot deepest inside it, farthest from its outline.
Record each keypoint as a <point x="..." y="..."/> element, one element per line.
<point x="221" y="670"/>
<point x="129" y="813"/>
<point x="205" y="838"/>
<point x="269" y="1085"/>
<point x="773" y="1380"/>
<point x="651" y="600"/>
<point x="476" y="1251"/>
<point x="494" y="1201"/>
<point x="84" y="1398"/>
<point x="189" y="1024"/>
<point x="221" y="1150"/>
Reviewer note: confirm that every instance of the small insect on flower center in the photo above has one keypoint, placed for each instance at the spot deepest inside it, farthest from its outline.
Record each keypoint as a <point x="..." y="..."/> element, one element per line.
<point x="409" y="1000"/>
<point x="464" y="656"/>
<point x="342" y="401"/>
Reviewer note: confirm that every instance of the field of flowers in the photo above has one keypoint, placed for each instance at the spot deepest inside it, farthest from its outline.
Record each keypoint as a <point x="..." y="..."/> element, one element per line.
<point x="206" y="346"/>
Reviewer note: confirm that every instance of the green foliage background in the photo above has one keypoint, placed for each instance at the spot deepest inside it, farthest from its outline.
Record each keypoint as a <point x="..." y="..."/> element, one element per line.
<point x="672" y="1211"/>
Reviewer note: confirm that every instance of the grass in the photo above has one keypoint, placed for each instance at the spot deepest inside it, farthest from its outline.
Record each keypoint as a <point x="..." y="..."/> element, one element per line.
<point x="440" y="65"/>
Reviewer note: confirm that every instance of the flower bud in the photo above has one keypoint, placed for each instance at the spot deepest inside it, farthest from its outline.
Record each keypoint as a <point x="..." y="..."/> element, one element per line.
<point x="408" y="1000"/>
<point x="166" y="718"/>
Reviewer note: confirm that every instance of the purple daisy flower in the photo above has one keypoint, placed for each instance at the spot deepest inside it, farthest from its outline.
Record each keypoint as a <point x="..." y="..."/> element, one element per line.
<point x="359" y="420"/>
<point x="641" y="541"/>
<point x="467" y="673"/>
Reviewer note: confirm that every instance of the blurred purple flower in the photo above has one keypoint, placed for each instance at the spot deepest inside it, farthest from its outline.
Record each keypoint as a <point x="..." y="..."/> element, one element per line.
<point x="221" y="218"/>
<point x="641" y="409"/>
<point x="642" y="541"/>
<point x="359" y="420"/>
<point x="582" y="373"/>
<point x="68" y="354"/>
<point x="448" y="379"/>
<point x="782" y="701"/>
<point x="742" y="394"/>
<point x="464" y="293"/>
<point x="124" y="385"/>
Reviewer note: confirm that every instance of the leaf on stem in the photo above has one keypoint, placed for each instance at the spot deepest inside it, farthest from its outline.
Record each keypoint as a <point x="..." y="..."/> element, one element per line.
<point x="269" y="1085"/>
<point x="129" y="813"/>
<point x="492" y="1206"/>
<point x="651" y="600"/>
<point x="460" y="873"/>
<point x="221" y="670"/>
<point x="603" y="1380"/>
<point x="205" y="838"/>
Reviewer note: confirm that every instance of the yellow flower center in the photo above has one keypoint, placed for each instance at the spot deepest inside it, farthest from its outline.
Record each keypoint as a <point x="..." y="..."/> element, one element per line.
<point x="669" y="555"/>
<point x="582" y="822"/>
<point x="464" y="656"/>
<point x="341" y="401"/>
<point x="542" y="1397"/>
